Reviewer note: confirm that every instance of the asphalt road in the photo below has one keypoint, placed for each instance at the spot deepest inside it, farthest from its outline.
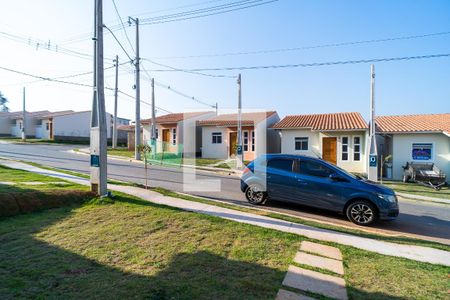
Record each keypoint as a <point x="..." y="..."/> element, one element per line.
<point x="425" y="220"/>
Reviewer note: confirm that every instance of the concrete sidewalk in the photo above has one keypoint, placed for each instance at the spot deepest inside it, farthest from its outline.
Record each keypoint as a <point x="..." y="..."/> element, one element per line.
<point x="422" y="198"/>
<point x="418" y="253"/>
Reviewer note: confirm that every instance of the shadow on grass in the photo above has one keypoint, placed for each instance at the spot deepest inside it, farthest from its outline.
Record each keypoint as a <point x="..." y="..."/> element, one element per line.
<point x="33" y="268"/>
<point x="18" y="200"/>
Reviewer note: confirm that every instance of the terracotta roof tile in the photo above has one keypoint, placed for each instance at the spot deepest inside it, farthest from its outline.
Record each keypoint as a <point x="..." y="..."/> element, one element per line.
<point x="248" y="119"/>
<point x="174" y="118"/>
<point x="324" y="122"/>
<point x="414" y="123"/>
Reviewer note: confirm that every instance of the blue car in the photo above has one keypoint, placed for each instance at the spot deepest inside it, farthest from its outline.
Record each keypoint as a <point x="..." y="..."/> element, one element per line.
<point x="315" y="182"/>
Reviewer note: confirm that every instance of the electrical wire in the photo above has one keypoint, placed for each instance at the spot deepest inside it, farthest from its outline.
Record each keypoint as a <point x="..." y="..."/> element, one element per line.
<point x="71" y="83"/>
<point x="190" y="72"/>
<point x="123" y="26"/>
<point x="120" y="44"/>
<point x="399" y="38"/>
<point x="317" y="64"/>
<point x="168" y="87"/>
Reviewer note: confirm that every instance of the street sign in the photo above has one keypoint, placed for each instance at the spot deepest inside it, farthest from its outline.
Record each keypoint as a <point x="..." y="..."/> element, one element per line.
<point x="373" y="160"/>
<point x="95" y="160"/>
<point x="239" y="149"/>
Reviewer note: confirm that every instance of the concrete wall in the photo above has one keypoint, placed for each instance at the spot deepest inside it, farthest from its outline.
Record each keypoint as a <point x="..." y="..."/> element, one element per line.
<point x="402" y="151"/>
<point x="210" y="150"/>
<point x="315" y="146"/>
<point x="77" y="125"/>
<point x="5" y="124"/>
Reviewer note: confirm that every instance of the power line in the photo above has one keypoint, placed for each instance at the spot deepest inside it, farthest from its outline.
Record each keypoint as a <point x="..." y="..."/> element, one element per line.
<point x="123" y="26"/>
<point x="190" y="72"/>
<point x="317" y="64"/>
<point x="204" y="14"/>
<point x="69" y="82"/>
<point x="410" y="37"/>
<point x="187" y="15"/>
<point x="120" y="44"/>
<point x="168" y="87"/>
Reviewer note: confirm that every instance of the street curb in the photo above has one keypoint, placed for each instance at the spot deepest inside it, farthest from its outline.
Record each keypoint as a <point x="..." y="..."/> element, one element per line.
<point x="422" y="198"/>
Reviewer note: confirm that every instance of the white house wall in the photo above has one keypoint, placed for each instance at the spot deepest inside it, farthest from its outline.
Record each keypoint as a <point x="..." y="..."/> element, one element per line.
<point x="5" y="124"/>
<point x="402" y="151"/>
<point x="315" y="146"/>
<point x="210" y="150"/>
<point x="76" y="125"/>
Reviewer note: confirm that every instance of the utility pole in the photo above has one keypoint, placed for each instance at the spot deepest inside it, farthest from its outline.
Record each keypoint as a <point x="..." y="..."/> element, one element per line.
<point x="114" y="140"/>
<point x="373" y="155"/>
<point x="24" y="118"/>
<point x="217" y="108"/>
<point x="137" y="136"/>
<point x="98" y="145"/>
<point x="153" y="129"/>
<point x="239" y="150"/>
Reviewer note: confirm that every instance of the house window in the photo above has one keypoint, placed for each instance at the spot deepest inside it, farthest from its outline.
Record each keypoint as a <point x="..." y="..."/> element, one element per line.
<point x="245" y="133"/>
<point x="174" y="136"/>
<point x="253" y="140"/>
<point x="422" y="151"/>
<point x="217" y="137"/>
<point x="47" y="126"/>
<point x="20" y="125"/>
<point x="301" y="143"/>
<point x="356" y="148"/>
<point x="345" y="148"/>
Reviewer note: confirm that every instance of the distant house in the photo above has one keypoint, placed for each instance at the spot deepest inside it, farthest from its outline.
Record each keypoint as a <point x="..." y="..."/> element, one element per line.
<point x="219" y="135"/>
<point x="339" y="138"/>
<point x="32" y="120"/>
<point x="170" y="132"/>
<point x="414" y="138"/>
<point x="6" y="122"/>
<point x="68" y="125"/>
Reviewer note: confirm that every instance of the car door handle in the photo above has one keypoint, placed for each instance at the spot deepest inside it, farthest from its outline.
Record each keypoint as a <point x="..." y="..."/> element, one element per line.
<point x="302" y="182"/>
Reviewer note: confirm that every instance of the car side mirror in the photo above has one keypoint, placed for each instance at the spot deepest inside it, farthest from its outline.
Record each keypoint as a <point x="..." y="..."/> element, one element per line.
<point x="336" y="177"/>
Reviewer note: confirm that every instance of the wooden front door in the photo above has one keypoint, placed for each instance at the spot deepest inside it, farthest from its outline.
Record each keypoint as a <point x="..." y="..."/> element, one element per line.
<point x="329" y="152"/>
<point x="233" y="142"/>
<point x="166" y="139"/>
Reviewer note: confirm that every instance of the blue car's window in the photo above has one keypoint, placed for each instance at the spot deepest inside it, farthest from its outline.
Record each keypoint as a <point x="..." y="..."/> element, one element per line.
<point x="314" y="169"/>
<point x="281" y="164"/>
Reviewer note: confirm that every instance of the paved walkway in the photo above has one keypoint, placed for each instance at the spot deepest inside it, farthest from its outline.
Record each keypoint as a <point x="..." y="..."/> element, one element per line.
<point x="320" y="257"/>
<point x="418" y="253"/>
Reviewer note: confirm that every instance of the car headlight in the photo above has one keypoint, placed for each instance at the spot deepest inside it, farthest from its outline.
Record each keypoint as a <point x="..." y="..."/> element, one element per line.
<point x="389" y="198"/>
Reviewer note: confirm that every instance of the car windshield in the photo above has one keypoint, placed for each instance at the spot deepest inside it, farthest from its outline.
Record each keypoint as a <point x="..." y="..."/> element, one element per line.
<point x="354" y="176"/>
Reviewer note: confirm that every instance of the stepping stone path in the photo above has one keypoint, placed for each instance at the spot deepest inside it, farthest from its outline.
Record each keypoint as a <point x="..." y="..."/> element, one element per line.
<point x="321" y="257"/>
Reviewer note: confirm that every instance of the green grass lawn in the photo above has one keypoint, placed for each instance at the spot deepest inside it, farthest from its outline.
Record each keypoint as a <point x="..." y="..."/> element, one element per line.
<point x="417" y="189"/>
<point x="44" y="141"/>
<point x="121" y="152"/>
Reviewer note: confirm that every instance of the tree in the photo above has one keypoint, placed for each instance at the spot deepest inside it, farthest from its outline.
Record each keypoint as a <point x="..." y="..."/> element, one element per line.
<point x="3" y="102"/>
<point x="145" y="149"/>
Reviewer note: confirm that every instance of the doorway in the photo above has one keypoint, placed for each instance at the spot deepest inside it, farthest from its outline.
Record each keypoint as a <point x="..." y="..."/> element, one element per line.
<point x="233" y="143"/>
<point x="329" y="149"/>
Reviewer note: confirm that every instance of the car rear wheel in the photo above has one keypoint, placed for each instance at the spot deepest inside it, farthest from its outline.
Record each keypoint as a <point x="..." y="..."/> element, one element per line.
<point x="362" y="213"/>
<point x="255" y="194"/>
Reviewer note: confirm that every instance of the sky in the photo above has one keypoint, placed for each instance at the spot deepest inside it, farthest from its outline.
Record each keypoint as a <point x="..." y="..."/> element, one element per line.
<point x="402" y="87"/>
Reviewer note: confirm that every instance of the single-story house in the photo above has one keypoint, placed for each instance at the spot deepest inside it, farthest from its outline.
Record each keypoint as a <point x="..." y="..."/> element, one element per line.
<point x="176" y="132"/>
<point x="68" y="125"/>
<point x="126" y="134"/>
<point x="6" y="122"/>
<point x="31" y="122"/>
<point x="414" y="138"/>
<point x="219" y="135"/>
<point x="339" y="138"/>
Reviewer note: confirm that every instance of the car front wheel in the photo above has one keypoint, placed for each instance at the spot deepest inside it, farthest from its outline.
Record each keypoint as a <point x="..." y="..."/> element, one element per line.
<point x="362" y="213"/>
<point x="255" y="194"/>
